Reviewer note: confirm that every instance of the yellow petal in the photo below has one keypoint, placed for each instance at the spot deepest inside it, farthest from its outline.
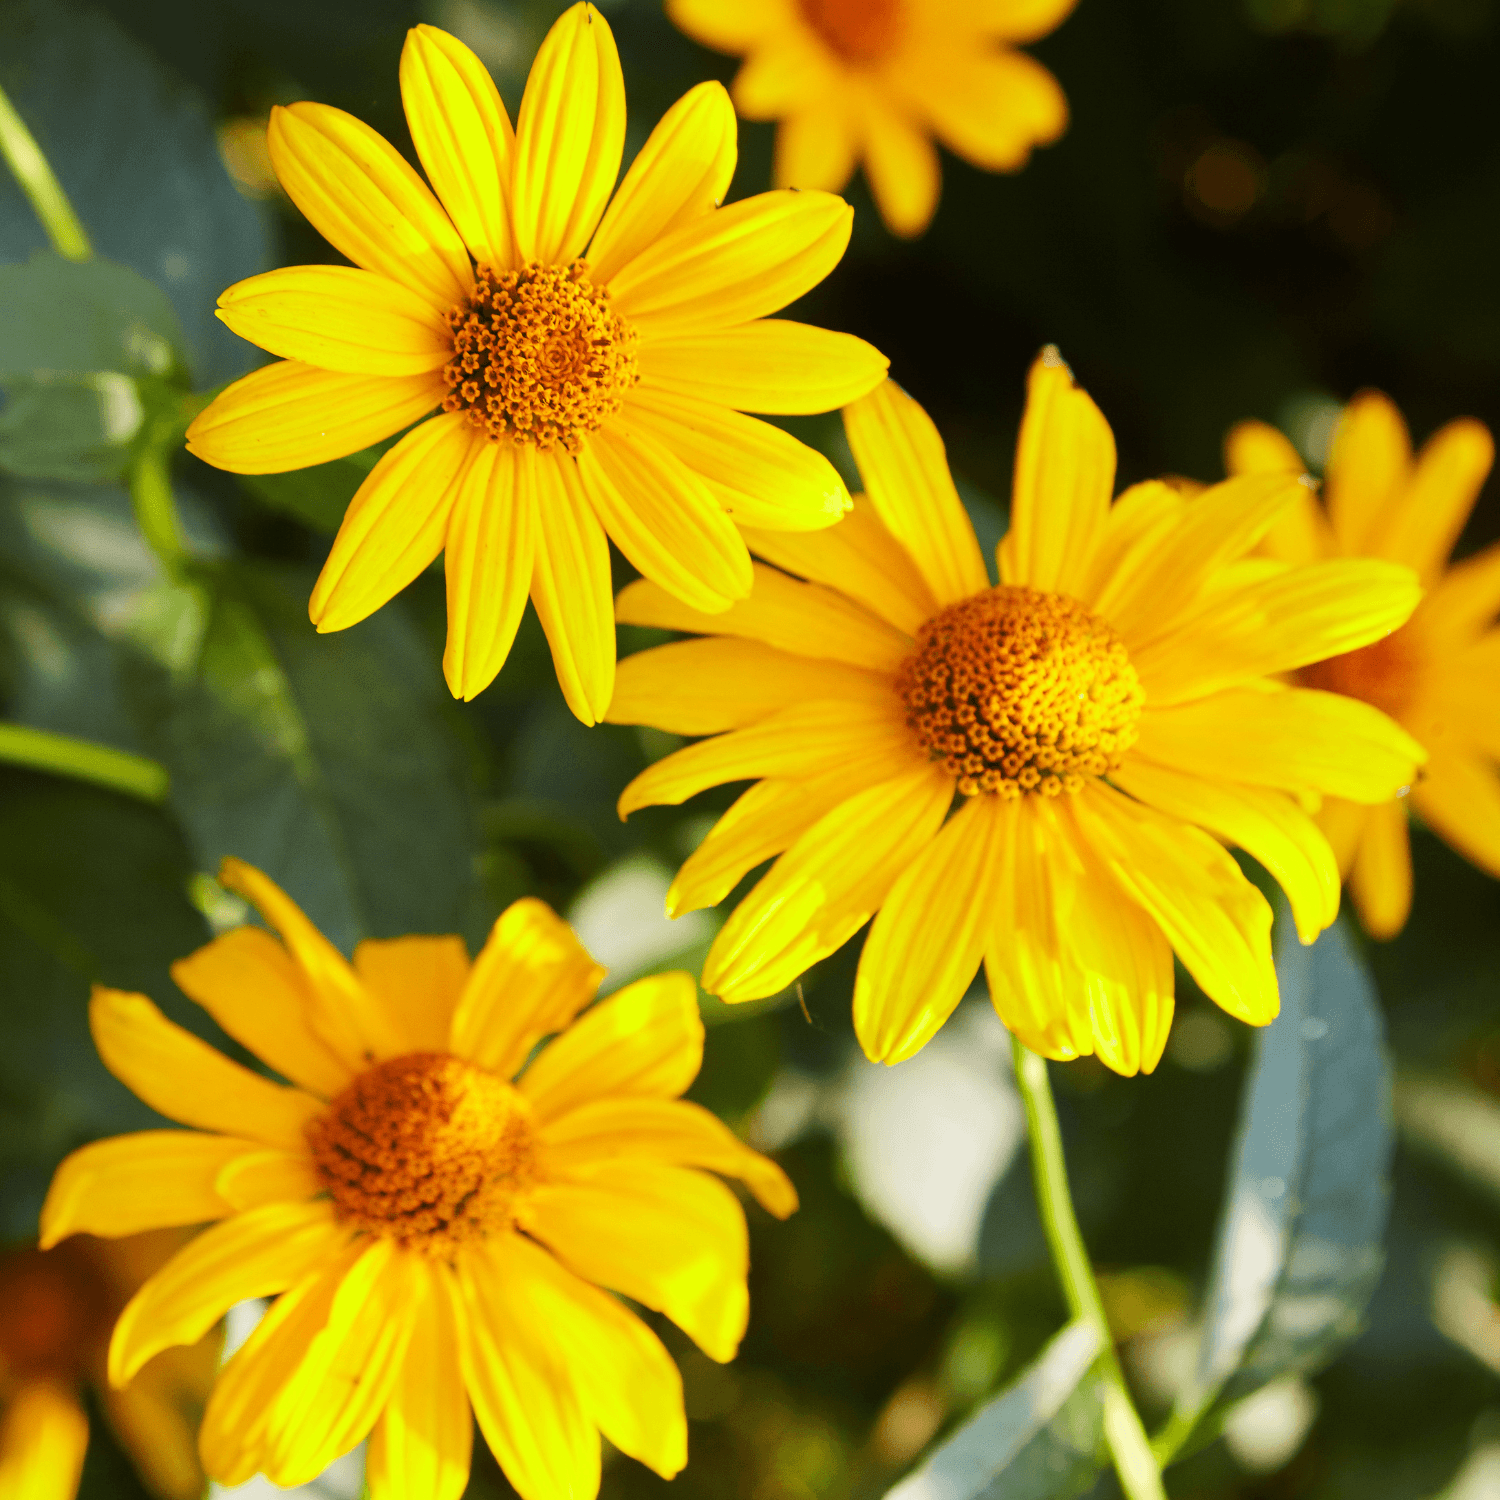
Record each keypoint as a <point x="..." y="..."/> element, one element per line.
<point x="669" y="1130"/>
<point x="1459" y="799"/>
<point x="1342" y="824"/>
<point x="257" y="992"/>
<point x="669" y="1238"/>
<point x="791" y="73"/>
<point x="708" y="686"/>
<point x="269" y="1175"/>
<point x="43" y="1436"/>
<point x="735" y="264"/>
<point x="644" y="1042"/>
<point x="422" y="1443"/>
<point x="254" y="1254"/>
<point x="531" y="978"/>
<point x="187" y="1080"/>
<point x="1423" y="523"/>
<point x="1380" y="881"/>
<point x="826" y="886"/>
<point x="1141" y="515"/>
<point x="990" y="107"/>
<point x="338" y="318"/>
<point x="418" y="980"/>
<point x="1016" y="20"/>
<point x="663" y="516"/>
<point x="1259" y="448"/>
<point x="901" y="164"/>
<point x="397" y="522"/>
<point x="904" y="466"/>
<point x="569" y="137"/>
<point x="1464" y="600"/>
<point x="680" y="174"/>
<point x="817" y="144"/>
<point x="1306" y="742"/>
<point x="289" y="415"/>
<point x="761" y="475"/>
<point x="360" y="194"/>
<point x="571" y="589"/>
<point x="491" y="548"/>
<point x="730" y="25"/>
<point x="463" y="138"/>
<point x="1367" y="469"/>
<point x="625" y="1379"/>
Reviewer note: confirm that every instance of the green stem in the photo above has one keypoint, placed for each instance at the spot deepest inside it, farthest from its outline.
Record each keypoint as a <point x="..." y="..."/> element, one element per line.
<point x="151" y="496"/>
<point x="38" y="181"/>
<point x="41" y="750"/>
<point x="1139" y="1475"/>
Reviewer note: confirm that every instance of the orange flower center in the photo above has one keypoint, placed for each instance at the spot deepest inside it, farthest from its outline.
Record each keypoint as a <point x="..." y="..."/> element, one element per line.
<point x="1383" y="673"/>
<point x="859" y="31"/>
<point x="1017" y="692"/>
<point x="540" y="355"/>
<point x="426" y="1149"/>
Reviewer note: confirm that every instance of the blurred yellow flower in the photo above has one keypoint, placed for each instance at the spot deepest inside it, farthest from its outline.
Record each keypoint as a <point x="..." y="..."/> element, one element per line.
<point x="592" y="358"/>
<point x="874" y="81"/>
<point x="1103" y="717"/>
<point x="56" y="1310"/>
<point x="438" y="1236"/>
<point x="1439" y="675"/>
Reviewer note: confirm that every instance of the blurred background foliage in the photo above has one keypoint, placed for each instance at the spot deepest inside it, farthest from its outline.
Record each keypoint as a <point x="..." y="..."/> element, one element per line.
<point x="1260" y="207"/>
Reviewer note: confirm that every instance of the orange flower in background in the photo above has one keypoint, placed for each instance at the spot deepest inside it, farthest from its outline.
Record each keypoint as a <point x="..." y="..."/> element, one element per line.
<point x="437" y="1231"/>
<point x="874" y="81"/>
<point x="56" y="1311"/>
<point x="1095" y="726"/>
<point x="1439" y="675"/>
<point x="589" y="356"/>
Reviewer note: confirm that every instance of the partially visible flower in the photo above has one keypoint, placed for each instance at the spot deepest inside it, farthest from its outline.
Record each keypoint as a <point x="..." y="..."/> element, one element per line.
<point x="437" y="1236"/>
<point x="1095" y="725"/>
<point x="56" y="1311"/>
<point x="874" y="81"/>
<point x="592" y="357"/>
<point x="1439" y="675"/>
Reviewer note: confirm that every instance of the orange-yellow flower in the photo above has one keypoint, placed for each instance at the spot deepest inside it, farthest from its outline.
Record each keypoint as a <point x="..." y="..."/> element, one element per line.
<point x="1095" y="726"/>
<point x="1439" y="675"/>
<point x="437" y="1235"/>
<point x="874" y="81"/>
<point x="592" y="357"/>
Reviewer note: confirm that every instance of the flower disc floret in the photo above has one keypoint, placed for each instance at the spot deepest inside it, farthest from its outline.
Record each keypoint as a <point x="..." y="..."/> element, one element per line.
<point x="1021" y="692"/>
<point x="859" y="31"/>
<point x="425" y="1149"/>
<point x="540" y="355"/>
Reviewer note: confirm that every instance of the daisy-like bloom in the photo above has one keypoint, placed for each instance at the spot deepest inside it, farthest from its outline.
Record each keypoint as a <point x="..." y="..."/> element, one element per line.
<point x="874" y="81"/>
<point x="437" y="1236"/>
<point x="1094" y="726"/>
<point x="589" y="359"/>
<point x="56" y="1311"/>
<point x="1439" y="675"/>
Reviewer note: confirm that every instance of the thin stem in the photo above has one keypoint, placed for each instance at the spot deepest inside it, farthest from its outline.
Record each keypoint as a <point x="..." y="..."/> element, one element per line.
<point x="41" y="750"/>
<point x="1129" y="1447"/>
<point x="38" y="181"/>
<point x="152" y="499"/>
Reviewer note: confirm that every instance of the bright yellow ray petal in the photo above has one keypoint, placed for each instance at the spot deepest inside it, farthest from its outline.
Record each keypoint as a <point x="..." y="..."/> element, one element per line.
<point x="289" y="415"/>
<point x="1342" y="824"/>
<point x="1015" y="20"/>
<point x="668" y="1237"/>
<point x="43" y="1436"/>
<point x="1367" y="469"/>
<point x="254" y="1254"/>
<point x="491" y="549"/>
<point x="792" y="74"/>
<point x="827" y="885"/>
<point x="680" y="174"/>
<point x="1459" y="799"/>
<point x="569" y="137"/>
<point x="670" y="1130"/>
<point x="904" y="466"/>
<point x="731" y="25"/>
<point x="644" y="1042"/>
<point x="901" y="164"/>
<point x="626" y="1380"/>
<point x="1141" y="514"/>
<point x="739" y="263"/>
<point x="762" y="475"/>
<point x="531" y="978"/>
<point x="572" y="590"/>
<point x="268" y="1175"/>
<point x="1464" y="601"/>
<point x="360" y="194"/>
<point x="989" y="107"/>
<point x="1259" y="448"/>
<point x="817" y="143"/>
<point x="1218" y="923"/>
<point x="1302" y="534"/>
<point x="418" y="980"/>
<point x="710" y="685"/>
<point x="1422" y="524"/>
<point x="186" y="1079"/>
<point x="1380" y="881"/>
<point x="463" y="138"/>
<point x="805" y="619"/>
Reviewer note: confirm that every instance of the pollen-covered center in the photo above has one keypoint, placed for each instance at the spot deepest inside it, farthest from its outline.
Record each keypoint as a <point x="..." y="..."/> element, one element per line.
<point x="1384" y="673"/>
<point x="859" y="31"/>
<point x="1017" y="691"/>
<point x="425" y="1149"/>
<point x="539" y="355"/>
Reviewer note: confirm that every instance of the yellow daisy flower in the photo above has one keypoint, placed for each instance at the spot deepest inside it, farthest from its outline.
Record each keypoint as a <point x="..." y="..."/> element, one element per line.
<point x="1439" y="675"/>
<point x="591" y="358"/>
<point x="874" y="81"/>
<point x="1101" y="719"/>
<point x="437" y="1234"/>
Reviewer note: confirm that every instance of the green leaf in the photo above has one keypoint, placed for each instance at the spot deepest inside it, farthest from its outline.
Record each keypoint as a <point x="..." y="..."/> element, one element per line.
<point x="317" y="496"/>
<point x="1039" y="1439"/>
